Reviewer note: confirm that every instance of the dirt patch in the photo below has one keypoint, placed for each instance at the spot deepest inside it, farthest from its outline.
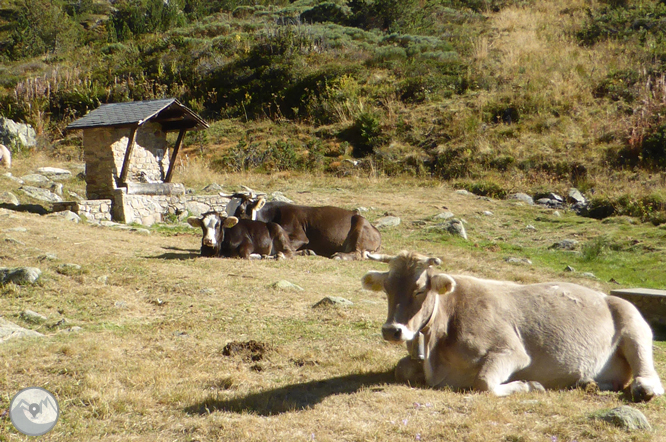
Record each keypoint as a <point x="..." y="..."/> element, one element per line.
<point x="250" y="350"/>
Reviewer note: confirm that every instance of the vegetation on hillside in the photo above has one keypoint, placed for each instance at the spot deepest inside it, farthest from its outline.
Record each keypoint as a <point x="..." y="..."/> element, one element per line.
<point x="515" y="95"/>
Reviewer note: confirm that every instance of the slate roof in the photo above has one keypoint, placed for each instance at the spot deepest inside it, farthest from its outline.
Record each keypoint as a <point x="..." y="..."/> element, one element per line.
<point x="169" y="112"/>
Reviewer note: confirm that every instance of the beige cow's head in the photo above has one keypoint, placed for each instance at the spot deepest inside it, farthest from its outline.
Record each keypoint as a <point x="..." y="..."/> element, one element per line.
<point x="412" y="286"/>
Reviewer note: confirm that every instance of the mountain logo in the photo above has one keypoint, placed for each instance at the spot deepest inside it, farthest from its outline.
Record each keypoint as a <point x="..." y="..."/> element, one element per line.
<point x="34" y="411"/>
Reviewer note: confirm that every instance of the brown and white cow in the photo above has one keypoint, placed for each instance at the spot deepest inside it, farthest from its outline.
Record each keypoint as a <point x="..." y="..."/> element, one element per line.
<point x="5" y="156"/>
<point x="230" y="237"/>
<point x="505" y="338"/>
<point x="328" y="231"/>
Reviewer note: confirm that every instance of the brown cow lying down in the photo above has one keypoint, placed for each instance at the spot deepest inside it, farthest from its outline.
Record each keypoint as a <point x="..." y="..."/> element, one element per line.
<point x="328" y="231"/>
<point x="505" y="338"/>
<point x="230" y="237"/>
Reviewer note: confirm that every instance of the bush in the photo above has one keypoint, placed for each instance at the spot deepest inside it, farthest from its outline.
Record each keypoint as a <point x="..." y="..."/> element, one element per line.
<point x="364" y="135"/>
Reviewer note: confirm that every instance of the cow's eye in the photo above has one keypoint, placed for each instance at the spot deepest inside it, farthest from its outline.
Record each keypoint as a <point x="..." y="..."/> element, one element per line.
<point x="420" y="293"/>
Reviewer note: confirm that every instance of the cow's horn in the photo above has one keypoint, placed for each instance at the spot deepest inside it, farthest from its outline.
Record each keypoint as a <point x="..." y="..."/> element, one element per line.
<point x="380" y="257"/>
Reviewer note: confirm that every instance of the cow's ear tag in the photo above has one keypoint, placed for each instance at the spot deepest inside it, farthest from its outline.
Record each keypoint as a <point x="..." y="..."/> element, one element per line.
<point x="442" y="283"/>
<point x="194" y="221"/>
<point x="374" y="281"/>
<point x="230" y="222"/>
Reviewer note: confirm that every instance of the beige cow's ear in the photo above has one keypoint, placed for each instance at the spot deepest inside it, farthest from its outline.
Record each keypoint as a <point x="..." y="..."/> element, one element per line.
<point x="230" y="222"/>
<point x="194" y="221"/>
<point x="442" y="283"/>
<point x="374" y="281"/>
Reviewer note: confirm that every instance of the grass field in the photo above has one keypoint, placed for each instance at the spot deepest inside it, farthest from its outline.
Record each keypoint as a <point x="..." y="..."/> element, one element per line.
<point x="174" y="347"/>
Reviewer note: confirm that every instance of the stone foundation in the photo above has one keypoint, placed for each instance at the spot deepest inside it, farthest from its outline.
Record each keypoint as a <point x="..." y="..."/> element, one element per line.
<point x="143" y="209"/>
<point x="93" y="210"/>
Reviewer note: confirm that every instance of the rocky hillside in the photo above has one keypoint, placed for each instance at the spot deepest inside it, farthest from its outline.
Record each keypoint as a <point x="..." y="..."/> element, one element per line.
<point x="495" y="96"/>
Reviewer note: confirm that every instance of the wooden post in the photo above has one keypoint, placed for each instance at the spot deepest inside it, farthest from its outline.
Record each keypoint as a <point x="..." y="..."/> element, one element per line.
<point x="172" y="161"/>
<point x="128" y="154"/>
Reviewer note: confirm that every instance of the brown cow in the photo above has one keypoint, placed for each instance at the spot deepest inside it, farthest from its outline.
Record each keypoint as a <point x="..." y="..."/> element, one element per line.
<point x="328" y="231"/>
<point x="230" y="237"/>
<point x="505" y="338"/>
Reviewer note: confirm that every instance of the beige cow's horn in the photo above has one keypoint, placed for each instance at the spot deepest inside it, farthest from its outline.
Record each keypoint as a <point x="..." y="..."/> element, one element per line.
<point x="380" y="257"/>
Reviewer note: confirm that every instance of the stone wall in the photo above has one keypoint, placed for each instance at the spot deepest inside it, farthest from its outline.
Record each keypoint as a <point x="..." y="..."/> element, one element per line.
<point x="149" y="209"/>
<point x="93" y="210"/>
<point x="143" y="209"/>
<point x="104" y="150"/>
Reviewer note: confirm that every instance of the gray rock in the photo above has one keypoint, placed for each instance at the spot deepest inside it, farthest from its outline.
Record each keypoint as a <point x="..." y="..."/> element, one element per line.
<point x="109" y="224"/>
<point x="362" y="209"/>
<point x="333" y="301"/>
<point x="279" y="196"/>
<point x="68" y="269"/>
<point x="9" y="198"/>
<point x="75" y="196"/>
<point x="74" y="329"/>
<point x="14" y="241"/>
<point x="550" y="202"/>
<point x="56" y="188"/>
<point x="456" y="228"/>
<point x="48" y="257"/>
<point x="196" y="208"/>
<point x="40" y="194"/>
<point x="17" y="229"/>
<point x="13" y="178"/>
<point x="32" y="317"/>
<point x="208" y="291"/>
<point x="13" y="133"/>
<point x="574" y="196"/>
<point x="140" y="230"/>
<point x="120" y="304"/>
<point x="54" y="173"/>
<point x="462" y="192"/>
<point x="530" y="228"/>
<point x="518" y="261"/>
<point x="286" y="285"/>
<point x="625" y="417"/>
<point x="37" y="180"/>
<point x="565" y="244"/>
<point x="569" y="269"/>
<point x="387" y="221"/>
<point x="556" y="197"/>
<point x="19" y="275"/>
<point x="589" y="275"/>
<point x="9" y="330"/>
<point x="67" y="215"/>
<point x="523" y="197"/>
<point x="213" y="188"/>
<point x="488" y="213"/>
<point x="444" y="215"/>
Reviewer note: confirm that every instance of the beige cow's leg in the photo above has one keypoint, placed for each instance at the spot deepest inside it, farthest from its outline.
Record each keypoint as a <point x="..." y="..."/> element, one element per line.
<point x="636" y="347"/>
<point x="498" y="368"/>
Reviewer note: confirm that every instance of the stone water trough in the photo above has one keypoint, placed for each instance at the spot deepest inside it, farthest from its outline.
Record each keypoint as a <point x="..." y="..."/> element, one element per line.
<point x="650" y="302"/>
<point x="129" y="164"/>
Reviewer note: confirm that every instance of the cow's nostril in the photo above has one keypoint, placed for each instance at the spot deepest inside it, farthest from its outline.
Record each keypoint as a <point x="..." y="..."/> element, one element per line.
<point x="391" y="333"/>
<point x="396" y="334"/>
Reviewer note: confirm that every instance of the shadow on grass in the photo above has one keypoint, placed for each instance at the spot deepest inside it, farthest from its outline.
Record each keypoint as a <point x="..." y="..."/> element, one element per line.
<point x="30" y="208"/>
<point x="293" y="397"/>
<point x="176" y="256"/>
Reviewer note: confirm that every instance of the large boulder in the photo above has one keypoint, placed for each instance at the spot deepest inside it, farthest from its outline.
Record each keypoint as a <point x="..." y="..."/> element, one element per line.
<point x="9" y="330"/>
<point x="17" y="134"/>
<point x="40" y="194"/>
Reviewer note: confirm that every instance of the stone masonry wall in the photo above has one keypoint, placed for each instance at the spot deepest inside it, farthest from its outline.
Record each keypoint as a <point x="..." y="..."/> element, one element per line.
<point x="149" y="209"/>
<point x="104" y="150"/>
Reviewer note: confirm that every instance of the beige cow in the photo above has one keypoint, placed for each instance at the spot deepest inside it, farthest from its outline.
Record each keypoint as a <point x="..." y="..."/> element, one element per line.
<point x="505" y="338"/>
<point x="5" y="156"/>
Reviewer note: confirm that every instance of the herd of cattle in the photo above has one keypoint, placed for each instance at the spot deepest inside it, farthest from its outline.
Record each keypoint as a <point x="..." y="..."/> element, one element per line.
<point x="461" y="332"/>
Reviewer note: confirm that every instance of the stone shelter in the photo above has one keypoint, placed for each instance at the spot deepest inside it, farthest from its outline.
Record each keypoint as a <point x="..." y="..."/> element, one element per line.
<point x="129" y="164"/>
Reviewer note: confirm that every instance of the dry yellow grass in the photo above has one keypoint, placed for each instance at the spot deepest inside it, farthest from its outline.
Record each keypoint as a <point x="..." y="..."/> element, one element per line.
<point x="149" y="362"/>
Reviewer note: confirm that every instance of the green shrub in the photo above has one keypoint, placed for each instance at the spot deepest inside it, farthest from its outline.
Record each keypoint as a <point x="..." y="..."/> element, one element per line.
<point x="364" y="135"/>
<point x="594" y="248"/>
<point x="484" y="188"/>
